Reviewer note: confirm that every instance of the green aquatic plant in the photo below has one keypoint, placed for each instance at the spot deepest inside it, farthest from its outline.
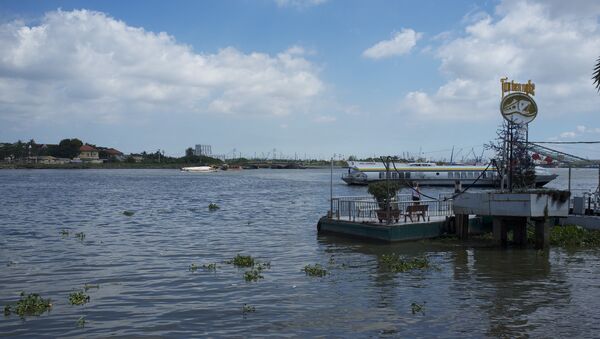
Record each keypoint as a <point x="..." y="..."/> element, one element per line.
<point x="574" y="236"/>
<point x="80" y="236"/>
<point x="193" y="268"/>
<point x="86" y="287"/>
<point x="263" y="266"/>
<point x="81" y="322"/>
<point x="417" y="308"/>
<point x="128" y="213"/>
<point x="30" y="304"/>
<point x="64" y="232"/>
<point x="396" y="264"/>
<point x="210" y="267"/>
<point x="315" y="270"/>
<point x="213" y="207"/>
<point x="78" y="298"/>
<point x="242" y="261"/>
<point x="253" y="275"/>
<point x="248" y="308"/>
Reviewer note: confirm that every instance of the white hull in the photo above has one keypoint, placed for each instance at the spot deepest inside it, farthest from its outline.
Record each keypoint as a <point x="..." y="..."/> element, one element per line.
<point x="199" y="169"/>
<point x="427" y="174"/>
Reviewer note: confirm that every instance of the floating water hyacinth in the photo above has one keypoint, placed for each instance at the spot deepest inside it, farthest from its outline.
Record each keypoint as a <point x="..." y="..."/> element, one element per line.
<point x="30" y="304"/>
<point x="128" y="213"/>
<point x="248" y="308"/>
<point x="396" y="264"/>
<point x="81" y="322"/>
<point x="417" y="308"/>
<point x="78" y="298"/>
<point x="253" y="275"/>
<point x="315" y="270"/>
<point x="213" y="207"/>
<point x="242" y="261"/>
<point x="210" y="267"/>
<point x="80" y="236"/>
<point x="574" y="236"/>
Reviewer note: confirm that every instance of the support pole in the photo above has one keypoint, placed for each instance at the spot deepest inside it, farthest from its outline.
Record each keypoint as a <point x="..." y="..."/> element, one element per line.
<point x="542" y="233"/>
<point x="520" y="231"/>
<point x="462" y="226"/>
<point x="331" y="189"/>
<point x="500" y="231"/>
<point x="569" y="189"/>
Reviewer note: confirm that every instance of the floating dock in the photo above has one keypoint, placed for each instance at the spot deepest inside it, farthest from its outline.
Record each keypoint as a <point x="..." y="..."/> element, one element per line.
<point x="434" y="227"/>
<point x="405" y="219"/>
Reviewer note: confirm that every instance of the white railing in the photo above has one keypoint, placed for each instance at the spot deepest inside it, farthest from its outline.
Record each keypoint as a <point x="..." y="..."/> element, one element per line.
<point x="366" y="209"/>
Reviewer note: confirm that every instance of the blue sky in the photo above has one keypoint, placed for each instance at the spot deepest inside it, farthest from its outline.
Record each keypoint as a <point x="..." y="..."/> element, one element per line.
<point x="307" y="77"/>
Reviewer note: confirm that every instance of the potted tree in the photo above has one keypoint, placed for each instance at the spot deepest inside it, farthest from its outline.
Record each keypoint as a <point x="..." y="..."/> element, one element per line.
<point x="384" y="193"/>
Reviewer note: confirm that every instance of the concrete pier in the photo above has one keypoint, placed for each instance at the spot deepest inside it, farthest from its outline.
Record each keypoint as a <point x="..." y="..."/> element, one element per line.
<point x="513" y="212"/>
<point x="542" y="233"/>
<point x="503" y="225"/>
<point x="462" y="226"/>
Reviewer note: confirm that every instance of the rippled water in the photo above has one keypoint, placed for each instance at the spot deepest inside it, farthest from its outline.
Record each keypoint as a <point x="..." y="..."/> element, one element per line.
<point x="146" y="289"/>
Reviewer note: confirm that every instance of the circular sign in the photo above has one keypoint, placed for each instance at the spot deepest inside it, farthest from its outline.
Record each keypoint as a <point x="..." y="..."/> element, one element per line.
<point x="518" y="108"/>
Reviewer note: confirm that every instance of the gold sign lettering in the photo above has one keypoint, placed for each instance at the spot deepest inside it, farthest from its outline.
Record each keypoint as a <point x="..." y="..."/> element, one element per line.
<point x="512" y="86"/>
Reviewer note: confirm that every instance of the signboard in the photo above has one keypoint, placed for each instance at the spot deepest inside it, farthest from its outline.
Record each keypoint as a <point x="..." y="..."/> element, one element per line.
<point x="518" y="107"/>
<point x="512" y="86"/>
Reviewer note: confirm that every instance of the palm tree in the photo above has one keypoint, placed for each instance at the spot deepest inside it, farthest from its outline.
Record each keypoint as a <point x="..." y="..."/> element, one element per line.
<point x="596" y="76"/>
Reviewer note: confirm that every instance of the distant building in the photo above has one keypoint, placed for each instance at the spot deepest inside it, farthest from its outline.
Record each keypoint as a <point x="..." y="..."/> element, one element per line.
<point x="136" y="157"/>
<point x="88" y="153"/>
<point x="205" y="150"/>
<point x="49" y="160"/>
<point x="113" y="153"/>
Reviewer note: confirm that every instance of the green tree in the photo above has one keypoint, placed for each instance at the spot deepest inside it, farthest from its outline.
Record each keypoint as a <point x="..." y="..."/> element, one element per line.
<point x="380" y="189"/>
<point x="19" y="150"/>
<point x="189" y="152"/>
<point x="596" y="75"/>
<point x="68" y="148"/>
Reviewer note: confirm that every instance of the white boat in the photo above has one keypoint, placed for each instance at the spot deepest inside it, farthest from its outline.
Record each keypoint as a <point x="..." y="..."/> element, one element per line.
<point x="431" y="174"/>
<point x="201" y="169"/>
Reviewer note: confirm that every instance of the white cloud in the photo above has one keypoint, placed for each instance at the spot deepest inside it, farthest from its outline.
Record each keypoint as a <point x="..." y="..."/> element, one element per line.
<point x="522" y="40"/>
<point x="87" y="64"/>
<point x="581" y="132"/>
<point x="325" y="119"/>
<point x="401" y="43"/>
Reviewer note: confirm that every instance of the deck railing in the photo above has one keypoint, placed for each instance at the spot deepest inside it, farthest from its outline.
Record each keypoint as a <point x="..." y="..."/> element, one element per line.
<point x="366" y="208"/>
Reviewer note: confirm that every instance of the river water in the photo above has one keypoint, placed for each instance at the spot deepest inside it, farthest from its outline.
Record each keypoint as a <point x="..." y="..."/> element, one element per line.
<point x="141" y="263"/>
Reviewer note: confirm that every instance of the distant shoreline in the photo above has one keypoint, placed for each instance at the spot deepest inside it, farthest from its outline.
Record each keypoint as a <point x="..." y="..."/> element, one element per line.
<point x="112" y="166"/>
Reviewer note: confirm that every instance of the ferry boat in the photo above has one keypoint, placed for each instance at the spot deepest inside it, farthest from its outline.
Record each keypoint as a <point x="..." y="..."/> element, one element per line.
<point x="430" y="174"/>
<point x="200" y="169"/>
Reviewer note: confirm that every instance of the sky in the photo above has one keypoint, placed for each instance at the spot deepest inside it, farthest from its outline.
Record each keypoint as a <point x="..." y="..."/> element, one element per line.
<point x="303" y="78"/>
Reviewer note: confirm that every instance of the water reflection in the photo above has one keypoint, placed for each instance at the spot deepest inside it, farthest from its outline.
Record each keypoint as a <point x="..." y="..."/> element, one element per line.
<point x="498" y="292"/>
